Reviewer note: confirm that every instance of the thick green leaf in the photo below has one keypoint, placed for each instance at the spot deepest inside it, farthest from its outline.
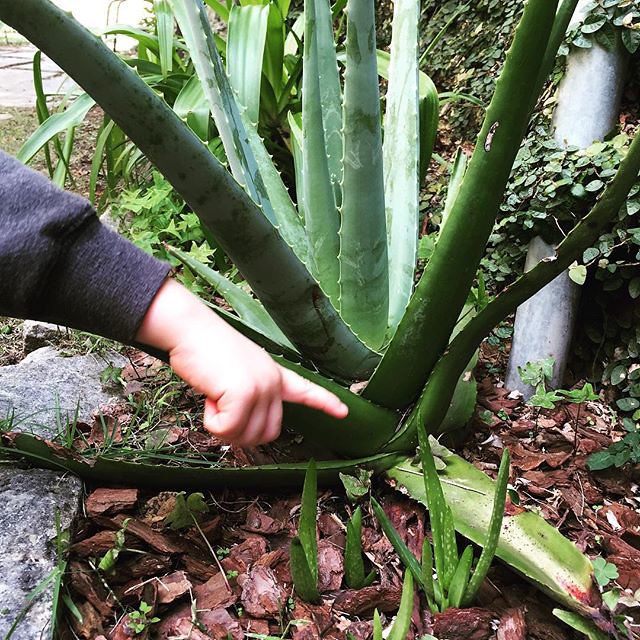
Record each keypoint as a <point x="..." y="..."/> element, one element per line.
<point x="353" y="562"/>
<point x="305" y="584"/>
<point x="72" y="116"/>
<point x="205" y="475"/>
<point x="401" y="158"/>
<point x="445" y="549"/>
<point x="493" y="533"/>
<point x="364" y="276"/>
<point x="98" y="157"/>
<point x="274" y="50"/>
<point x="164" y="26"/>
<point x="245" y="52"/>
<point x="458" y="169"/>
<point x="318" y="194"/>
<point x="579" y="623"/>
<point x="400" y="628"/>
<point x="435" y="306"/>
<point x="244" y="304"/>
<point x="191" y="106"/>
<point x="527" y="543"/>
<point x="307" y="523"/>
<point x="460" y="578"/>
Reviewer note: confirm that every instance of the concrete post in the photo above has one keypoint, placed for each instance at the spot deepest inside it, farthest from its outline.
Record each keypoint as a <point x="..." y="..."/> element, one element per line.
<point x="587" y="108"/>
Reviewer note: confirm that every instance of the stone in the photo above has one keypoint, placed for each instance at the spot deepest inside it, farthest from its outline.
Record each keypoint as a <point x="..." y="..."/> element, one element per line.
<point x="37" y="334"/>
<point x="31" y="501"/>
<point x="46" y="390"/>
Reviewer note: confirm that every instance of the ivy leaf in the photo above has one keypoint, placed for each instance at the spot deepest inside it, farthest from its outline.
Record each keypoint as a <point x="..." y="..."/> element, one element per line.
<point x="634" y="288"/>
<point x="578" y="273"/>
<point x="593" y="23"/>
<point x="600" y="460"/>
<point x="594" y="185"/>
<point x="186" y="510"/>
<point x="631" y="39"/>
<point x="618" y="374"/>
<point x="590" y="254"/>
<point x="628" y="404"/>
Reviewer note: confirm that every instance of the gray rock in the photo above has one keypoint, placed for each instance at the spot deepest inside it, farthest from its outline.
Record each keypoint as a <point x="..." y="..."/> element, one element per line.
<point x="31" y="500"/>
<point x="37" y="334"/>
<point x="45" y="390"/>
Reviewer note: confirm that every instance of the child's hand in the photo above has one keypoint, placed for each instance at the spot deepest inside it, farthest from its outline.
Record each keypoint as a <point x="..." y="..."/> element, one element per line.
<point x="245" y="388"/>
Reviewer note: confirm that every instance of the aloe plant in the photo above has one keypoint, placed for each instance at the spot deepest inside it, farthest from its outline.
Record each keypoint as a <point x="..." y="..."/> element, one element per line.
<point x="335" y="271"/>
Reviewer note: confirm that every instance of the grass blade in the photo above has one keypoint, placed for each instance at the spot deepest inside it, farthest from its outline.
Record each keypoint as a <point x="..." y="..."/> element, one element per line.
<point x="164" y="27"/>
<point x="364" y="276"/>
<point x="72" y="116"/>
<point x="493" y="533"/>
<point x="377" y="626"/>
<point x="98" y="157"/>
<point x="245" y="53"/>
<point x="353" y="562"/>
<point x="405" y="555"/>
<point x="319" y="197"/>
<point x="400" y="628"/>
<point x="401" y="158"/>
<point x="249" y="309"/>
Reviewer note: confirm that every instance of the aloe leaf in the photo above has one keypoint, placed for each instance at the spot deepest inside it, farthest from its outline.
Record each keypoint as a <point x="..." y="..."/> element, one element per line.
<point x="220" y="8"/>
<point x="404" y="553"/>
<point x="72" y="116"/>
<point x="191" y="106"/>
<point x="458" y="169"/>
<point x="303" y="580"/>
<point x="401" y="158"/>
<point x="364" y="431"/>
<point x="319" y="197"/>
<point x="245" y="53"/>
<point x="377" y="626"/>
<point x="246" y="306"/>
<point x="307" y="533"/>
<point x="164" y="26"/>
<point x="445" y="550"/>
<point x="364" y="276"/>
<point x="429" y="111"/>
<point x="435" y="307"/>
<point x="353" y="562"/>
<point x="460" y="578"/>
<point x="434" y="400"/>
<point x="295" y="125"/>
<point x="42" y="109"/>
<point x="493" y="533"/>
<point x="62" y="168"/>
<point x="400" y="628"/>
<point x="427" y="568"/>
<point x="301" y="309"/>
<point x="274" y="48"/>
<point x="578" y="623"/>
<point x="193" y="22"/>
<point x="200" y="475"/>
<point x="527" y="543"/>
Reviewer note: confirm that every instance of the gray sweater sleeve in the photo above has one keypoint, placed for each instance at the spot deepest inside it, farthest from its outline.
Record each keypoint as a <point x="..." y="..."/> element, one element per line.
<point x="59" y="264"/>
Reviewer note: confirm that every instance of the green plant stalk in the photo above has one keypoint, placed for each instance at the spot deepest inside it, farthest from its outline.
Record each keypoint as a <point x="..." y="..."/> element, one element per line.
<point x="434" y="401"/>
<point x="307" y="533"/>
<point x="320" y="206"/>
<point x="156" y="475"/>
<point x="527" y="543"/>
<point x="404" y="553"/>
<point x="400" y="628"/>
<point x="364" y="276"/>
<point x="445" y="549"/>
<point x="435" y="305"/>
<point x="353" y="563"/>
<point x="304" y="583"/>
<point x="493" y="533"/>
<point x="401" y="157"/>
<point x="301" y="309"/>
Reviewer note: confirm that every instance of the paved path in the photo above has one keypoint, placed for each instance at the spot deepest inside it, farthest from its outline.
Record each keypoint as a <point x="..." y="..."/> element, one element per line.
<point x="16" y="76"/>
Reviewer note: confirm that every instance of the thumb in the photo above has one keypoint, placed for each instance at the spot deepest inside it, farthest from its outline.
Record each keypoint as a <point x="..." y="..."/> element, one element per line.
<point x="297" y="389"/>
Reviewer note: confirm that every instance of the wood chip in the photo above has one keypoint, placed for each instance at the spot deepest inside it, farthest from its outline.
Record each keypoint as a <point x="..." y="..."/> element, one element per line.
<point x="364" y="601"/>
<point x="214" y="594"/>
<point x="103" y="501"/>
<point x="512" y="625"/>
<point x="262" y="595"/>
<point x="172" y="587"/>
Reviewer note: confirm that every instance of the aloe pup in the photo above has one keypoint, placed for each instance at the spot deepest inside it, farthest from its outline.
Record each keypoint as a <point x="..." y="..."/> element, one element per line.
<point x="369" y="323"/>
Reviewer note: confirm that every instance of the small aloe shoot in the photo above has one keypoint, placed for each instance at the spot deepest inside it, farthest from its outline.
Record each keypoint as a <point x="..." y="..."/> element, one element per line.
<point x="353" y="562"/>
<point x="304" y="546"/>
<point x="400" y="628"/>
